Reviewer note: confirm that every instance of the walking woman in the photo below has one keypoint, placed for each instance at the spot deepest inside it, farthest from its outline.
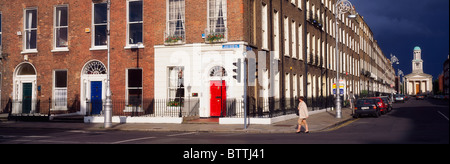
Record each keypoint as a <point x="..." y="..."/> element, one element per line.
<point x="303" y="115"/>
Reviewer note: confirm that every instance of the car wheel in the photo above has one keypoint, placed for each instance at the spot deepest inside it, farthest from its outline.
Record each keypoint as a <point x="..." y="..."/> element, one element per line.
<point x="377" y="114"/>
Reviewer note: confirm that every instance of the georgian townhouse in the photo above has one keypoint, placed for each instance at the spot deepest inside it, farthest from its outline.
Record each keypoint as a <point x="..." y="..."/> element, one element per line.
<point x="170" y="53"/>
<point x="54" y="54"/>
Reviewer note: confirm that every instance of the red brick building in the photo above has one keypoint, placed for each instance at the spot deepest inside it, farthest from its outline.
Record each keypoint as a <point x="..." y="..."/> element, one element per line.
<point x="57" y="50"/>
<point x="178" y="49"/>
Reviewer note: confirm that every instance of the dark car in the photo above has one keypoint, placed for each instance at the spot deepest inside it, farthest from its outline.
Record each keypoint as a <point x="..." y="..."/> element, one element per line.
<point x="420" y="97"/>
<point x="367" y="106"/>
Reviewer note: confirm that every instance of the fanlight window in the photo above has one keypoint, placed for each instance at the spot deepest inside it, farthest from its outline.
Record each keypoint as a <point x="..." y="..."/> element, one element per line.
<point x="26" y="69"/>
<point x="217" y="71"/>
<point x="94" y="68"/>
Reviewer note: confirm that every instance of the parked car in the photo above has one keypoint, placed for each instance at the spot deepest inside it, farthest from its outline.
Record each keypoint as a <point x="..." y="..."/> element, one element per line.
<point x="367" y="106"/>
<point x="381" y="104"/>
<point x="420" y="97"/>
<point x="399" y="98"/>
<point x="387" y="102"/>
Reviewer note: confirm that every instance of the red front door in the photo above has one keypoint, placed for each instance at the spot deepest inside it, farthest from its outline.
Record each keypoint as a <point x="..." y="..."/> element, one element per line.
<point x="218" y="91"/>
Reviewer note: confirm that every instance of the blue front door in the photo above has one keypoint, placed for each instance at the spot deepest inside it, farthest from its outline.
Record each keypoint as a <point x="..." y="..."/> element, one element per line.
<point x="96" y="97"/>
<point x="27" y="97"/>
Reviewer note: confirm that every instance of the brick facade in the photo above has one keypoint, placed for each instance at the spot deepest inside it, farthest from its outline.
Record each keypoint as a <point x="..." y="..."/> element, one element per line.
<point x="243" y="23"/>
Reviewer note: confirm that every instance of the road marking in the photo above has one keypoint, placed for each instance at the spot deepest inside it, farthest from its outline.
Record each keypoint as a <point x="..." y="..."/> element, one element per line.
<point x="180" y="134"/>
<point x="131" y="140"/>
<point x="85" y="132"/>
<point x="443" y="115"/>
<point x="342" y="125"/>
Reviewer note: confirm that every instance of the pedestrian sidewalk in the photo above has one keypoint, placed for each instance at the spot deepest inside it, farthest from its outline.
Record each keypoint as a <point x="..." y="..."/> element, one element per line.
<point x="317" y="122"/>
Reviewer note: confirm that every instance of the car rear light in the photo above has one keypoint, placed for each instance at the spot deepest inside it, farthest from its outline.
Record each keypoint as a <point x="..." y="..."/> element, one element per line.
<point x="374" y="107"/>
<point x="380" y="104"/>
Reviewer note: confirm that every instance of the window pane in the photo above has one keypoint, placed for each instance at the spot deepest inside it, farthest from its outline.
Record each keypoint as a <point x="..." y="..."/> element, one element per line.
<point x="100" y="13"/>
<point x="61" y="79"/>
<point x="134" y="78"/>
<point x="135" y="33"/>
<point x="61" y="97"/>
<point x="134" y="97"/>
<point x="61" y="16"/>
<point x="61" y="37"/>
<point x="100" y="35"/>
<point x="135" y="11"/>
<point x="31" y="19"/>
<point x="31" y="39"/>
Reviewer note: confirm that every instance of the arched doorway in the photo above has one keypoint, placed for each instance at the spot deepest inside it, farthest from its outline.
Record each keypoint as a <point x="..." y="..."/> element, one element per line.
<point x="93" y="87"/>
<point x="24" y="89"/>
<point x="218" y="91"/>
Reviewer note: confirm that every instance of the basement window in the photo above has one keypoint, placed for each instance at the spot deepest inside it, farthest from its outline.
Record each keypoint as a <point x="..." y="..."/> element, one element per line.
<point x="134" y="88"/>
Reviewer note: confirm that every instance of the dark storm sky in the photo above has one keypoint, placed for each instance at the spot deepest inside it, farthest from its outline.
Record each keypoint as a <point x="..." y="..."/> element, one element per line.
<point x="400" y="25"/>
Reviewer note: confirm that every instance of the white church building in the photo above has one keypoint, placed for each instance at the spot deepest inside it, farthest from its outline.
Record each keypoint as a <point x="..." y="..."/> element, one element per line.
<point x="418" y="82"/>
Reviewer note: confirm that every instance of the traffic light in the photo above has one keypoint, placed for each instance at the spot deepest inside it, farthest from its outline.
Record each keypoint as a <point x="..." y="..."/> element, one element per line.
<point x="237" y="70"/>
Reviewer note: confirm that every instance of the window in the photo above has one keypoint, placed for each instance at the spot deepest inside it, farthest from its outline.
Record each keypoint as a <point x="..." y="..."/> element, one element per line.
<point x="60" y="27"/>
<point x="60" y="90"/>
<point x="100" y="21"/>
<point x="175" y="21"/>
<point x="300" y="42"/>
<point x="294" y="39"/>
<point x="294" y="86"/>
<point x="276" y="35"/>
<point x="265" y="32"/>
<point x="0" y="34"/>
<point x="176" y="84"/>
<point x="287" y="79"/>
<point x="286" y="36"/>
<point x="217" y="20"/>
<point x="299" y="4"/>
<point x="134" y="87"/>
<point x="30" y="29"/>
<point x="134" y="22"/>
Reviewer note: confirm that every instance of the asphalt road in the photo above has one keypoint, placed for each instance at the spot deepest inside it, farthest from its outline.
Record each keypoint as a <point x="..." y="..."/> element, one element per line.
<point x="416" y="122"/>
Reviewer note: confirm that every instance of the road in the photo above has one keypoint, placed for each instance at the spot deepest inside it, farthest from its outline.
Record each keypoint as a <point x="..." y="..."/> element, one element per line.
<point x="416" y="122"/>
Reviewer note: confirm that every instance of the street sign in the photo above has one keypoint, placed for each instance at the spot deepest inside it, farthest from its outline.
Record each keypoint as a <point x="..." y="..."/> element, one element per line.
<point x="341" y="87"/>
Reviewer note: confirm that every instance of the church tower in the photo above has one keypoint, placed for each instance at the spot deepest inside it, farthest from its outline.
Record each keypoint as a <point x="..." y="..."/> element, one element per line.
<point x="417" y="62"/>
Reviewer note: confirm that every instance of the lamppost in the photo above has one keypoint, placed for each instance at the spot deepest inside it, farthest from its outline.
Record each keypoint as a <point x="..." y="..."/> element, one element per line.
<point x="400" y="74"/>
<point x="341" y="7"/>
<point x="108" y="103"/>
<point x="395" y="60"/>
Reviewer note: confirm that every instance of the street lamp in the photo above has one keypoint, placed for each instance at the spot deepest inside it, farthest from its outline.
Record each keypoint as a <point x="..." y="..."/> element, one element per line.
<point x="341" y="7"/>
<point x="395" y="60"/>
<point x="108" y="103"/>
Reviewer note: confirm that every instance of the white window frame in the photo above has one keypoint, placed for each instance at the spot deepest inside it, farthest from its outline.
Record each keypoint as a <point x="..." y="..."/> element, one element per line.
<point x="25" y="29"/>
<point x="294" y="39"/>
<point x="57" y="104"/>
<point x="286" y="36"/>
<point x="56" y="28"/>
<point x="127" y="39"/>
<point x="1" y="47"/>
<point x="214" y="17"/>
<point x="169" y="31"/>
<point x="264" y="25"/>
<point x="276" y="34"/>
<point x="169" y="80"/>
<point x="300" y="42"/>
<point x="129" y="107"/>
<point x="93" y="46"/>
